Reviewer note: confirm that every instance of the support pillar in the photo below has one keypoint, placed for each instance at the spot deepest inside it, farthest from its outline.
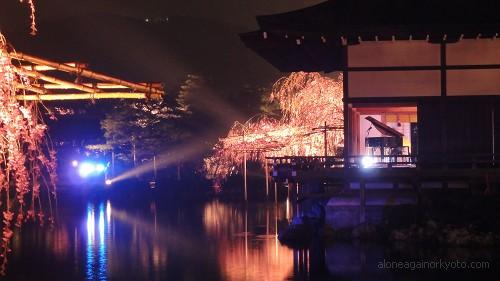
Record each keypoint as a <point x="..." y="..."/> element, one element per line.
<point x="275" y="192"/>
<point x="266" y="170"/>
<point x="362" y="201"/>
<point x="245" y="174"/>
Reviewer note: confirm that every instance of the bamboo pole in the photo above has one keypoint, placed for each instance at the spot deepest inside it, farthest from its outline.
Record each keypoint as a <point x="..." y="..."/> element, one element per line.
<point x="54" y="80"/>
<point x="81" y="96"/>
<point x="87" y="73"/>
<point x="45" y="67"/>
<point x="30" y="88"/>
<point x="93" y="85"/>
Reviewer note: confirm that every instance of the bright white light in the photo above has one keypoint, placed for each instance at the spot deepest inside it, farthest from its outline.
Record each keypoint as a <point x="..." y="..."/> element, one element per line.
<point x="86" y="169"/>
<point x="74" y="163"/>
<point x="108" y="182"/>
<point x="367" y="161"/>
<point x="108" y="211"/>
<point x="90" y="224"/>
<point x="100" y="168"/>
<point x="101" y="225"/>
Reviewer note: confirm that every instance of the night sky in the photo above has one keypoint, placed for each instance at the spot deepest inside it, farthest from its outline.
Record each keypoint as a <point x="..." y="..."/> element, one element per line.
<point x="235" y="12"/>
<point x="200" y="37"/>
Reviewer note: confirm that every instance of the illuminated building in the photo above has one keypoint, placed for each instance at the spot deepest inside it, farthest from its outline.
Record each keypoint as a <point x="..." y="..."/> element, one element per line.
<point x="428" y="69"/>
<point x="424" y="73"/>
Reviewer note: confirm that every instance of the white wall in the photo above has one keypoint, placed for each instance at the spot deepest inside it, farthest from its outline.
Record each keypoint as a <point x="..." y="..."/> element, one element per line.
<point x="395" y="83"/>
<point x="397" y="53"/>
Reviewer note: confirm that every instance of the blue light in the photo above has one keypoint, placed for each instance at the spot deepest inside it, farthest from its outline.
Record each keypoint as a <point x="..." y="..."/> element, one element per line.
<point x="97" y="253"/>
<point x="100" y="168"/>
<point x="86" y="169"/>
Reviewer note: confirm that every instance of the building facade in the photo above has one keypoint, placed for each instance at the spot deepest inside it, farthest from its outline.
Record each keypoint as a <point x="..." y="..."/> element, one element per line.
<point x="427" y="69"/>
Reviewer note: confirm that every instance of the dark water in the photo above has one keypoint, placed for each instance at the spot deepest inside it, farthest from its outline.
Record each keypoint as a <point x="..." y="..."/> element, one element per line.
<point x="156" y="240"/>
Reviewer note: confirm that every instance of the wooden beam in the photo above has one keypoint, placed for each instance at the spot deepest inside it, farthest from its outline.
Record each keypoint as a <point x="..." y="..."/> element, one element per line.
<point x="86" y="73"/>
<point x="82" y="96"/>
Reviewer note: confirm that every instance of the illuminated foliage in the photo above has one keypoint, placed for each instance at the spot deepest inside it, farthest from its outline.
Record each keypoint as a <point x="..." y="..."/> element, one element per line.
<point x="27" y="163"/>
<point x="32" y="16"/>
<point x="306" y="101"/>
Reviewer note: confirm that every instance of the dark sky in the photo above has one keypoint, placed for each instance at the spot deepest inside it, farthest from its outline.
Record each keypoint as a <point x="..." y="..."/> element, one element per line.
<point x="201" y="37"/>
<point x="198" y="30"/>
<point x="236" y="12"/>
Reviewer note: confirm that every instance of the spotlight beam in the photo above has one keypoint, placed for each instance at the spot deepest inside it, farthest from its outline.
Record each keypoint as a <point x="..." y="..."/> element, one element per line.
<point x="163" y="160"/>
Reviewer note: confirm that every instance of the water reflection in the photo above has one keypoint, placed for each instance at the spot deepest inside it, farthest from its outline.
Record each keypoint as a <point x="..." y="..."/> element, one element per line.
<point x="97" y="253"/>
<point x="247" y="242"/>
<point x="214" y="241"/>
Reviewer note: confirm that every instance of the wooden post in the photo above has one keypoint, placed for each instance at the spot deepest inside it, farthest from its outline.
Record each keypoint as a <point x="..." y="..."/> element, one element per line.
<point x="113" y="163"/>
<point x="275" y="192"/>
<point x="134" y="152"/>
<point x="288" y="189"/>
<point x="345" y="85"/>
<point x="362" y="201"/>
<point x="443" y="113"/>
<point x="266" y="170"/>
<point x="325" y="142"/>
<point x="154" y="166"/>
<point x="245" y="173"/>
<point x="244" y="165"/>
<point x="418" y="191"/>
<point x="297" y="191"/>
<point x="493" y="135"/>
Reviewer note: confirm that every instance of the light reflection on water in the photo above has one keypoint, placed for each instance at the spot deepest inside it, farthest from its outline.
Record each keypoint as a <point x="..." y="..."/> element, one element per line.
<point x="252" y="250"/>
<point x="96" y="254"/>
<point x="242" y="242"/>
<point x="215" y="241"/>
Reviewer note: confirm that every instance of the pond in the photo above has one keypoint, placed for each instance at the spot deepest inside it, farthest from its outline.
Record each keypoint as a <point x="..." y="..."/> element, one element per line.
<point x="106" y="239"/>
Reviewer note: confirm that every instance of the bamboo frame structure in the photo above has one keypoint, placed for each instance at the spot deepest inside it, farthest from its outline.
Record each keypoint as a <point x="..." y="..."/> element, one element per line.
<point x="82" y="96"/>
<point x="73" y="81"/>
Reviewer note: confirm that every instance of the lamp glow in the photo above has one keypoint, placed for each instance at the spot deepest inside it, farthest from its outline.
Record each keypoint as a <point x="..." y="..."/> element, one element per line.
<point x="86" y="169"/>
<point x="367" y="161"/>
<point x="74" y="163"/>
<point x="108" y="182"/>
<point x="100" y="168"/>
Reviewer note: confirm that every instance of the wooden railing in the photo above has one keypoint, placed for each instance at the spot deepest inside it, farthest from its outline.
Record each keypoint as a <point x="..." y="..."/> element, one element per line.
<point x="472" y="161"/>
